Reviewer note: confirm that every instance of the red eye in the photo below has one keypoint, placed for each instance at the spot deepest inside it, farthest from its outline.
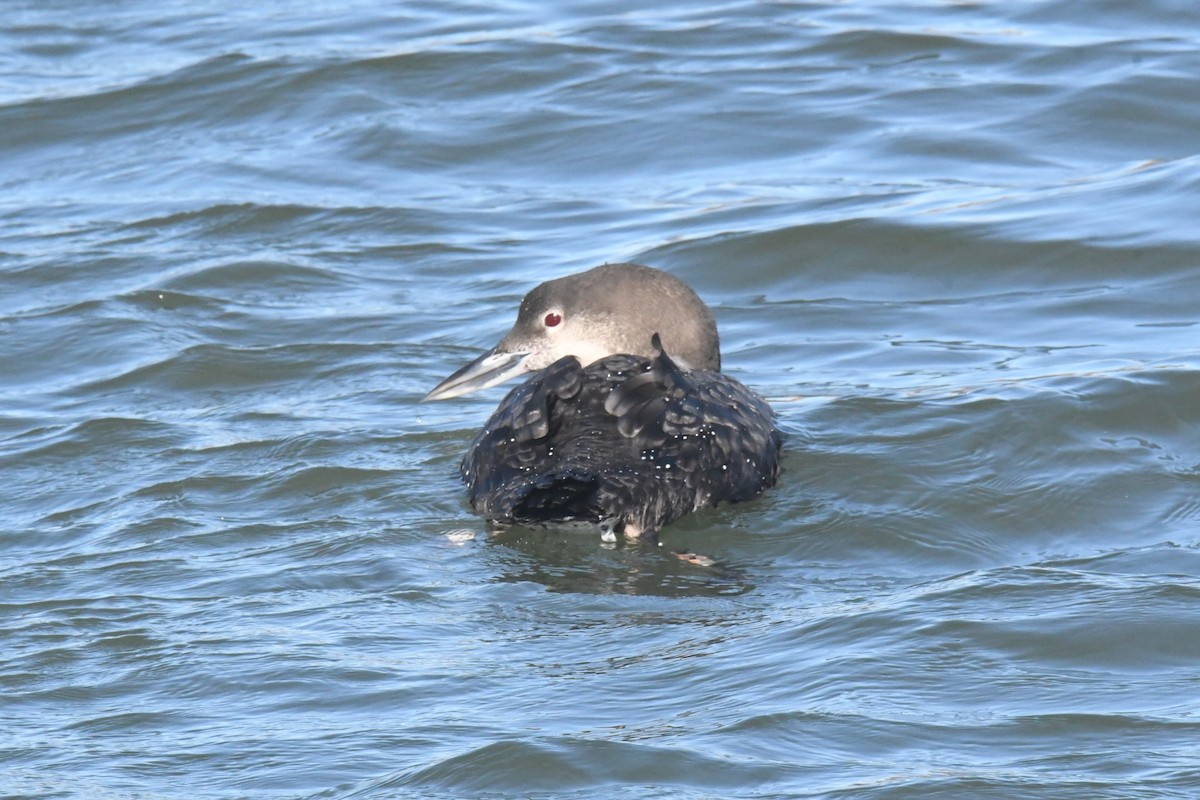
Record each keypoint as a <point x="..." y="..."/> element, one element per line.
<point x="552" y="319"/>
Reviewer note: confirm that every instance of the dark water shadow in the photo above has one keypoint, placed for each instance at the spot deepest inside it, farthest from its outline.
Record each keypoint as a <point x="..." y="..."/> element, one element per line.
<point x="578" y="562"/>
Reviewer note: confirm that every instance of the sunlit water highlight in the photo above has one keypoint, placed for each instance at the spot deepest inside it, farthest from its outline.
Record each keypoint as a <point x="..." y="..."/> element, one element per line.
<point x="954" y="244"/>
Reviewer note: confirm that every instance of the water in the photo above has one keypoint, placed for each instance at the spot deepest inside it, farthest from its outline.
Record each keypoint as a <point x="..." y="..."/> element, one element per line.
<point x="954" y="243"/>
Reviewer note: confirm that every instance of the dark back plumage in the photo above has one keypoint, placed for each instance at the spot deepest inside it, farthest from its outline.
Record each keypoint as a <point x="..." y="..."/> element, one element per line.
<point x="627" y="443"/>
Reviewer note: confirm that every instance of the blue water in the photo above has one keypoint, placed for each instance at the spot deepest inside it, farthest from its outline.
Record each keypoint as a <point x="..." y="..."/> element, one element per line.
<point x="953" y="243"/>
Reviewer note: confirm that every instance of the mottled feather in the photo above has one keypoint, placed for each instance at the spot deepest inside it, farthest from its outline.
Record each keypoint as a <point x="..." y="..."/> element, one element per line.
<point x="629" y="442"/>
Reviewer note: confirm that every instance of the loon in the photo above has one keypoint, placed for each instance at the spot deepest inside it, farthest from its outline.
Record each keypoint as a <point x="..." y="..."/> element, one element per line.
<point x="627" y="423"/>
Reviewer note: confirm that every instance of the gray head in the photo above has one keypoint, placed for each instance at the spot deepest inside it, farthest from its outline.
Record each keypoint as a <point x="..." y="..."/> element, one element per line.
<point x="616" y="308"/>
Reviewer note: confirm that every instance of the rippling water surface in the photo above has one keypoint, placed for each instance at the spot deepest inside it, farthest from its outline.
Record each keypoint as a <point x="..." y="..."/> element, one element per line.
<point x="954" y="243"/>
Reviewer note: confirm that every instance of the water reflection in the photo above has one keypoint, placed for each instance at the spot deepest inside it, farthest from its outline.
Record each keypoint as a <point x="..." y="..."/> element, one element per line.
<point x="577" y="562"/>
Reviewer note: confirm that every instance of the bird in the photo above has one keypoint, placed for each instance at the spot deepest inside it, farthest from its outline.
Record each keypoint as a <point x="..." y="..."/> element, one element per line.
<point x="625" y="423"/>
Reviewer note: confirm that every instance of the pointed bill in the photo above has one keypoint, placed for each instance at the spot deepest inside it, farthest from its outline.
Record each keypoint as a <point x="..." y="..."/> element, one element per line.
<point x="487" y="370"/>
